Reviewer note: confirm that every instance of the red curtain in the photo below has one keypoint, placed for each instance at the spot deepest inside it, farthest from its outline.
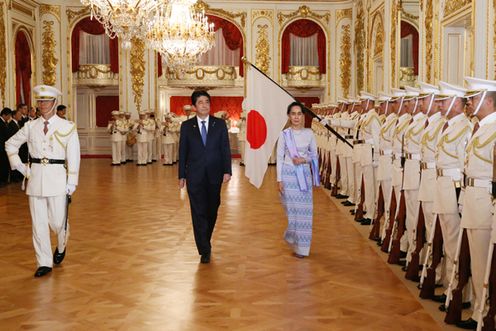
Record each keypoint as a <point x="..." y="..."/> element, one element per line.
<point x="93" y="27"/>
<point x="231" y="105"/>
<point x="104" y="106"/>
<point x="232" y="35"/>
<point x="159" y="64"/>
<point x="23" y="68"/>
<point x="406" y="30"/>
<point x="303" y="28"/>
<point x="308" y="101"/>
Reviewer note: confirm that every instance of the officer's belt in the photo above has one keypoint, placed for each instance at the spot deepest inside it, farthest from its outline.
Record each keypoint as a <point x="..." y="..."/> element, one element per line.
<point x="427" y="165"/>
<point x="387" y="152"/>
<point x="46" y="161"/>
<point x="474" y="182"/>
<point x="411" y="156"/>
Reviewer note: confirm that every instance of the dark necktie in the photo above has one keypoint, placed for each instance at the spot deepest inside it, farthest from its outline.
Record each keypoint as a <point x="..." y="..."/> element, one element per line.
<point x="45" y="129"/>
<point x="204" y="133"/>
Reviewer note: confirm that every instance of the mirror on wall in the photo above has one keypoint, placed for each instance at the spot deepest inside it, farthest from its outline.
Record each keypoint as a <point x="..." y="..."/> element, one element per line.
<point x="409" y="42"/>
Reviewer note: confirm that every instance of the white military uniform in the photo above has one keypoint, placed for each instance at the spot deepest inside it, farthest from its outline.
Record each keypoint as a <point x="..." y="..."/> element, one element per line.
<point x="167" y="143"/>
<point x="47" y="183"/>
<point x="116" y="127"/>
<point x="348" y="123"/>
<point x="385" y="168"/>
<point x="411" y="182"/>
<point x="141" y="141"/>
<point x="370" y="131"/>
<point x="129" y="149"/>
<point x="477" y="200"/>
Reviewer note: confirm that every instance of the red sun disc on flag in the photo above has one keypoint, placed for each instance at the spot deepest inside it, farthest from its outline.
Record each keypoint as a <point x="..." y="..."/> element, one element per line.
<point x="256" y="129"/>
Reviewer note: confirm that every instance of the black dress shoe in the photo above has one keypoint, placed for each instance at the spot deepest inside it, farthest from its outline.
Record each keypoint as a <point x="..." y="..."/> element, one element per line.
<point x="469" y="324"/>
<point x="42" y="271"/>
<point x="366" y="221"/>
<point x="205" y="258"/>
<point x="439" y="298"/>
<point x="402" y="255"/>
<point x="58" y="257"/>
<point x="340" y="196"/>
<point x="465" y="305"/>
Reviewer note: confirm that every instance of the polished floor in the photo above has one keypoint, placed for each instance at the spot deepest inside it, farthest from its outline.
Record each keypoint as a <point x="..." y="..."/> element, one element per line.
<point x="132" y="264"/>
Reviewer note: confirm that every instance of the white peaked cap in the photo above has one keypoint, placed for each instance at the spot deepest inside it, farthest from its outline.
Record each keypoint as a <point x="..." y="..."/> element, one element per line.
<point x="367" y="96"/>
<point x="478" y="84"/>
<point x="45" y="92"/>
<point x="383" y="97"/>
<point x="143" y="112"/>
<point x="428" y="88"/>
<point x="412" y="91"/>
<point x="451" y="90"/>
<point x="397" y="93"/>
<point x="114" y="112"/>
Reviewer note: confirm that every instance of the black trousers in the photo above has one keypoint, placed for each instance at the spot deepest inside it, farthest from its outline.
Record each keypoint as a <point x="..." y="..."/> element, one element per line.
<point x="204" y="200"/>
<point x="4" y="168"/>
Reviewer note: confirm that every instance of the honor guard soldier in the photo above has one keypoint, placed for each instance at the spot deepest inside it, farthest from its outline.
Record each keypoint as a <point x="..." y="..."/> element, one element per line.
<point x="115" y="138"/>
<point x="167" y="140"/>
<point x="477" y="198"/>
<point x="150" y="135"/>
<point x="369" y="130"/>
<point x="141" y="138"/>
<point x="385" y="165"/>
<point x="450" y="156"/>
<point x="52" y="171"/>
<point x="130" y="137"/>
<point x="124" y="130"/>
<point x="411" y="171"/>
<point x="341" y="181"/>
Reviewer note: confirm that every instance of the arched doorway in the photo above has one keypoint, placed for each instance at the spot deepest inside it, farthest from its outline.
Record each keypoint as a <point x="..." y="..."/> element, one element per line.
<point x="23" y="70"/>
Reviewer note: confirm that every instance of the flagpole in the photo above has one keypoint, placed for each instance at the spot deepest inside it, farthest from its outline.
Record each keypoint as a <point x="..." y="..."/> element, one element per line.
<point x="305" y="109"/>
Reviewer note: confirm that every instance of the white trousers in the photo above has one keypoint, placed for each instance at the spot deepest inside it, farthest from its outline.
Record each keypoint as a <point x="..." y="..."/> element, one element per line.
<point x="167" y="153"/>
<point x="371" y="187"/>
<point x="412" y="211"/>
<point x="150" y="151"/>
<point x="343" y="176"/>
<point x="116" y="152"/>
<point x="350" y="174"/>
<point x="334" y="161"/>
<point x="478" y="241"/>
<point x="357" y="192"/>
<point x="129" y="152"/>
<point x="47" y="213"/>
<point x="142" y="152"/>
<point x="387" y="191"/>
<point x="155" y="148"/>
<point x="123" y="151"/>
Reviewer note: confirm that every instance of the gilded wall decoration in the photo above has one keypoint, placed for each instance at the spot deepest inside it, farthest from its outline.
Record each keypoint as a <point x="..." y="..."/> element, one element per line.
<point x="3" y="56"/>
<point x="73" y="14"/>
<point x="360" y="46"/>
<point x="429" y="51"/>
<point x="379" y="38"/>
<point x="394" y="28"/>
<point x="343" y="13"/>
<point x="48" y="9"/>
<point x="345" y="60"/>
<point x="202" y="6"/>
<point x="269" y="14"/>
<point x="452" y="6"/>
<point x="262" y="49"/>
<point x="137" y="62"/>
<point x="49" y="59"/>
<point x="303" y="11"/>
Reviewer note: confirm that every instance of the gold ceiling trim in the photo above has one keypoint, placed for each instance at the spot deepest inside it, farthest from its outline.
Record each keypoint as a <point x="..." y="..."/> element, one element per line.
<point x="267" y="13"/>
<point x="452" y="6"/>
<point x="75" y="14"/>
<point x="343" y="13"/>
<point x="49" y="9"/>
<point x="303" y="11"/>
<point x="202" y="6"/>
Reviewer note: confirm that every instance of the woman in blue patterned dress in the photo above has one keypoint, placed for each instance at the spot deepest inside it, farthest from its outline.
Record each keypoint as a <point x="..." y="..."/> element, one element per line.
<point x="297" y="172"/>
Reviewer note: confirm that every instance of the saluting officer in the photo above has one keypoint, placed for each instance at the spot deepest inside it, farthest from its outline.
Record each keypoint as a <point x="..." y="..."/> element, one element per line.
<point x="52" y="172"/>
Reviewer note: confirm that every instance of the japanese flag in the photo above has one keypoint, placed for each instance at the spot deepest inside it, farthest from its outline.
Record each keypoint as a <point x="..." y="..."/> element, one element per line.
<point x="266" y="103"/>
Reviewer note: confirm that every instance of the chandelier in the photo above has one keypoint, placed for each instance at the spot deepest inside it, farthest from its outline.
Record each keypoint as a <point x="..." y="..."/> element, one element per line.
<point x="180" y="34"/>
<point x="124" y="19"/>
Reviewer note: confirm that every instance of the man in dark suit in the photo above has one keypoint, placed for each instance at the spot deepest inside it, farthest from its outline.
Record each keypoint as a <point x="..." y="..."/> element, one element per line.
<point x="14" y="126"/>
<point x="5" y="116"/>
<point x="204" y="164"/>
<point x="23" y="109"/>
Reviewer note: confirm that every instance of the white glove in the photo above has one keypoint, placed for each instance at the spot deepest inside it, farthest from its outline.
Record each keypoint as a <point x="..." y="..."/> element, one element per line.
<point x="21" y="167"/>
<point x="324" y="122"/>
<point x="70" y="188"/>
